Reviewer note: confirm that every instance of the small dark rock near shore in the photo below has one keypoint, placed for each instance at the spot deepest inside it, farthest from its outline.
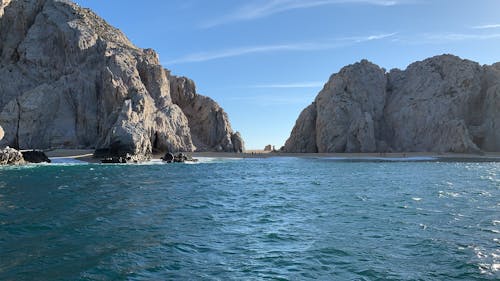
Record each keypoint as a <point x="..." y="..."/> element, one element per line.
<point x="119" y="160"/>
<point x="178" y="158"/>
<point x="35" y="156"/>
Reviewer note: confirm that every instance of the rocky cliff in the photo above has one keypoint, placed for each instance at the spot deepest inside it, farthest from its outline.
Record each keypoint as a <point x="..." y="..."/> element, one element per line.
<point x="441" y="104"/>
<point x="68" y="79"/>
<point x="209" y="124"/>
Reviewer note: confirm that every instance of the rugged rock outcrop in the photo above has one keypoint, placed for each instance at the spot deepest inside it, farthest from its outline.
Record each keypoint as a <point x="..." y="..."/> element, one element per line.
<point x="441" y="104"/>
<point x="35" y="156"/>
<point x="3" y="4"/>
<point x="11" y="156"/>
<point x="209" y="124"/>
<point x="68" y="79"/>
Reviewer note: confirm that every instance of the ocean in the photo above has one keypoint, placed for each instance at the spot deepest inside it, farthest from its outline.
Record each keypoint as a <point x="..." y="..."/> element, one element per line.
<point x="251" y="219"/>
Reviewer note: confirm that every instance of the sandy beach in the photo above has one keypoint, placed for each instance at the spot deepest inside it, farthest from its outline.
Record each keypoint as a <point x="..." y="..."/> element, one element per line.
<point x="488" y="156"/>
<point x="87" y="155"/>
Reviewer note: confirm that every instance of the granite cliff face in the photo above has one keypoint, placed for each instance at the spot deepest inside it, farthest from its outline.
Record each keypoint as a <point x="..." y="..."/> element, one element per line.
<point x="68" y="79"/>
<point x="441" y="104"/>
<point x="209" y="124"/>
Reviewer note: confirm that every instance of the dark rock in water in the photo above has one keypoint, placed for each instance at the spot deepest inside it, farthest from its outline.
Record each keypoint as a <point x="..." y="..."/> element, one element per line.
<point x="117" y="155"/>
<point x="178" y="158"/>
<point x="168" y="157"/>
<point x="114" y="160"/>
<point x="10" y="156"/>
<point x="120" y="159"/>
<point x="35" y="156"/>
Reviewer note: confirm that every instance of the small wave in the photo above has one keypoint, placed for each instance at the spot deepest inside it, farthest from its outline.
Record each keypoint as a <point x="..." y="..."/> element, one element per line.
<point x="383" y="159"/>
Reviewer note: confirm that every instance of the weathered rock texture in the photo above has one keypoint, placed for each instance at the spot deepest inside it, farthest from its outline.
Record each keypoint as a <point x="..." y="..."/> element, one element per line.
<point x="209" y="124"/>
<point x="68" y="79"/>
<point x="10" y="156"/>
<point x="441" y="104"/>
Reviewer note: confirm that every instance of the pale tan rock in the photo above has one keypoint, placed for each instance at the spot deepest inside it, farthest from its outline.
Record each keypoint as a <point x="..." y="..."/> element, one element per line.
<point x="209" y="124"/>
<point x="441" y="104"/>
<point x="3" y="5"/>
<point x="10" y="156"/>
<point x="1" y="133"/>
<point x="303" y="136"/>
<point x="238" y="142"/>
<point x="345" y="115"/>
<point x="70" y="80"/>
<point x="430" y="100"/>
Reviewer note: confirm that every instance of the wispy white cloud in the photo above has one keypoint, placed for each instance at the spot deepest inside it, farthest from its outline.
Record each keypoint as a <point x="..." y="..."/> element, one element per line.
<point x="447" y="37"/>
<point x="486" y="26"/>
<point x="267" y="8"/>
<point x="314" y="84"/>
<point x="307" y="46"/>
<point x="444" y="37"/>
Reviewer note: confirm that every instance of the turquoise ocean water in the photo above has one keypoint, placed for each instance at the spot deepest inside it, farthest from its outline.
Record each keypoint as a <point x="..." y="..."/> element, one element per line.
<point x="251" y="219"/>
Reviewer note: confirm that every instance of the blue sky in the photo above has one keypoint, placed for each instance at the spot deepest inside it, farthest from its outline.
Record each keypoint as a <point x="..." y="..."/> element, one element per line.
<point x="264" y="61"/>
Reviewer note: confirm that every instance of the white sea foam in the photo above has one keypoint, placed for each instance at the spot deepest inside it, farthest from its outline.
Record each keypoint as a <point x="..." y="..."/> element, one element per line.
<point x="201" y="160"/>
<point x="388" y="159"/>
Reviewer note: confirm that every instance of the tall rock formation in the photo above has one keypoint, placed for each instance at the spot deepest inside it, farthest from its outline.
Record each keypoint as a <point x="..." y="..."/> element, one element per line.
<point x="209" y="124"/>
<point x="441" y="104"/>
<point x="68" y="79"/>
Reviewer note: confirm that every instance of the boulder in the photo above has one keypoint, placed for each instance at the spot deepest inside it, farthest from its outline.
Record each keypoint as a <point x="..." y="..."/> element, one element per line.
<point x="11" y="156"/>
<point x="1" y="133"/>
<point x="35" y="156"/>
<point x="178" y="158"/>
<point x="441" y="104"/>
<point x="116" y="160"/>
<point x="238" y="143"/>
<point x="168" y="157"/>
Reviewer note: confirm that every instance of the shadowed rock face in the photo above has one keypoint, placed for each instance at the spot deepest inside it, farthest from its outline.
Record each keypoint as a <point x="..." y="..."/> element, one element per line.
<point x="209" y="124"/>
<point x="442" y="104"/>
<point x="68" y="79"/>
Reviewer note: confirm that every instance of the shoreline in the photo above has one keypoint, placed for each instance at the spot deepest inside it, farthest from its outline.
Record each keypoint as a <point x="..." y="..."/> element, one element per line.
<point x="423" y="156"/>
<point x="86" y="155"/>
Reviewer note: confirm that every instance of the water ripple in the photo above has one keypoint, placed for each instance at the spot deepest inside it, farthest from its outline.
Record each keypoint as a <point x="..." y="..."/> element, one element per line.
<point x="253" y="219"/>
